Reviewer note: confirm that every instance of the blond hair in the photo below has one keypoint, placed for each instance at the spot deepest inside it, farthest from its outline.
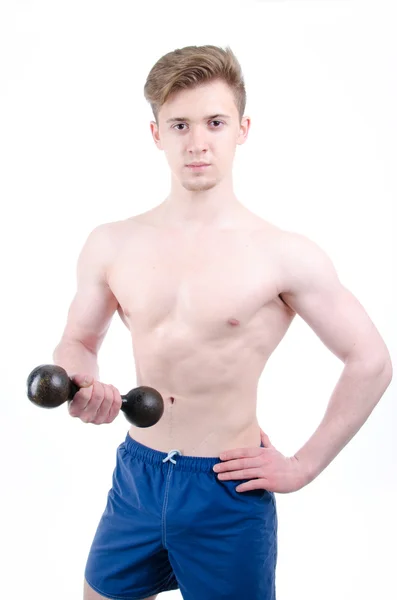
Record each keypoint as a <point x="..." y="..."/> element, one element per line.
<point x="188" y="67"/>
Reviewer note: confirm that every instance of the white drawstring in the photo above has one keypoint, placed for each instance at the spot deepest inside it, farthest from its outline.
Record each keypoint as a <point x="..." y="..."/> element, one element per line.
<point x="170" y="454"/>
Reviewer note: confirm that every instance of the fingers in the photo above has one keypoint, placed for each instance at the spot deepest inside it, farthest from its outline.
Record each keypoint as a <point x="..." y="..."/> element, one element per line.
<point x="99" y="403"/>
<point x="79" y="402"/>
<point x="102" y="400"/>
<point x="242" y="474"/>
<point x="115" y="407"/>
<point x="82" y="380"/>
<point x="241" y="463"/>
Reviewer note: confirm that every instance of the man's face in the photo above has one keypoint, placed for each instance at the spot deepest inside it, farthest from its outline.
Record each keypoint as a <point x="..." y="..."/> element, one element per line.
<point x="200" y="125"/>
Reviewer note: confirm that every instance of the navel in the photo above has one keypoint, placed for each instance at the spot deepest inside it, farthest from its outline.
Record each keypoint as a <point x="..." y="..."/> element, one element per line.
<point x="233" y="322"/>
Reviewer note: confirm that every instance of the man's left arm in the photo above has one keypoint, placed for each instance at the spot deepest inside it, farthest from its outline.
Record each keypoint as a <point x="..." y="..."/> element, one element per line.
<point x="309" y="284"/>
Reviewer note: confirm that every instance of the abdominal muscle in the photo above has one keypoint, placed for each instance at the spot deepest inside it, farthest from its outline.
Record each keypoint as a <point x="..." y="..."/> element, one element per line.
<point x="208" y="407"/>
<point x="208" y="384"/>
<point x="204" y="318"/>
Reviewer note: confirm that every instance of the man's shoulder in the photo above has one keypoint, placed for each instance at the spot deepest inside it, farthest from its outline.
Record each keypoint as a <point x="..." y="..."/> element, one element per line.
<point x="287" y="241"/>
<point x="291" y="252"/>
<point x="112" y="231"/>
<point x="293" y="244"/>
<point x="105" y="240"/>
<point x="283" y="241"/>
<point x="301" y="260"/>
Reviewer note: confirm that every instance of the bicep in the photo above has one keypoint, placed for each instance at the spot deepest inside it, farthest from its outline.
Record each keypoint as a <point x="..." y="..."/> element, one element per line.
<point x="311" y="287"/>
<point x="94" y="304"/>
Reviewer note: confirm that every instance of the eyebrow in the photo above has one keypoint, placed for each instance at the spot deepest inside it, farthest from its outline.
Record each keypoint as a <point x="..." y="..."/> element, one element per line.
<point x="205" y="118"/>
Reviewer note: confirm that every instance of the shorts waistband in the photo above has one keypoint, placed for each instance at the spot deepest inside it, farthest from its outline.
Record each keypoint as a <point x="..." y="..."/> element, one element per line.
<point x="156" y="457"/>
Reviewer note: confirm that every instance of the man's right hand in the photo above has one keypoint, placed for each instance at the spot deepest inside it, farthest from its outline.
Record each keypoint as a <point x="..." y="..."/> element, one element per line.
<point x="95" y="402"/>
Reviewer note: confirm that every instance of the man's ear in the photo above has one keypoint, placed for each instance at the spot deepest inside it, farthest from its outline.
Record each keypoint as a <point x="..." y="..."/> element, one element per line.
<point x="156" y="134"/>
<point x="244" y="129"/>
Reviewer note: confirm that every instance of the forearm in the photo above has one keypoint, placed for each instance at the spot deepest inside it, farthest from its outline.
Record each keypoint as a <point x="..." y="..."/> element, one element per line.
<point x="74" y="357"/>
<point x="356" y="394"/>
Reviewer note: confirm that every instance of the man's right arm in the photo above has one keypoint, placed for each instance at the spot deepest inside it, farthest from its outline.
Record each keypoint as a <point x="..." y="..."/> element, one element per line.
<point x="91" y="310"/>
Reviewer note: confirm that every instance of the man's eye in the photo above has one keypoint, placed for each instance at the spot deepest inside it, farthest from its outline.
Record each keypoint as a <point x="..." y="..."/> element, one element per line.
<point x="183" y="124"/>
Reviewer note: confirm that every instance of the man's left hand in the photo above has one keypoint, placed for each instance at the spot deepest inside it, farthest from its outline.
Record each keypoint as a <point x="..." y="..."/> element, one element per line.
<point x="266" y="468"/>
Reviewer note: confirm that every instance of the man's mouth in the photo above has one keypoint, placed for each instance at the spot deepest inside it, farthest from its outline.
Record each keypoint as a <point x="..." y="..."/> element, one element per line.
<point x="198" y="167"/>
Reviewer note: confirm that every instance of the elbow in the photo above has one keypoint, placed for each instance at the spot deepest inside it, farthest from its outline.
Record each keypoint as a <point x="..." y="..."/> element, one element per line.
<point x="382" y="369"/>
<point x="388" y="369"/>
<point x="381" y="366"/>
<point x="384" y="366"/>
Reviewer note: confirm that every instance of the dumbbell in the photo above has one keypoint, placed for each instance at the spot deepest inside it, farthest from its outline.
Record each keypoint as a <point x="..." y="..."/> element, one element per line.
<point x="50" y="386"/>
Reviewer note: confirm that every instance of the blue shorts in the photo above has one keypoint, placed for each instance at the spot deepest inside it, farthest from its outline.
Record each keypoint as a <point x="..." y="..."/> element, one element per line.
<point x="170" y="524"/>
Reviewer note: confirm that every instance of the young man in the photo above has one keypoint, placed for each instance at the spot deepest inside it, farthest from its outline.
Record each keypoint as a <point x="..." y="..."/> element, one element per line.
<point x="207" y="290"/>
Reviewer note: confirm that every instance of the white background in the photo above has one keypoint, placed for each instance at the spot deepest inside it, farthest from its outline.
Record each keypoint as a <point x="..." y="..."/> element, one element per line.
<point x="76" y="151"/>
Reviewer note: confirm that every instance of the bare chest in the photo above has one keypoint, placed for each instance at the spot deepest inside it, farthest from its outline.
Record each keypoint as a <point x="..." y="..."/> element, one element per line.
<point x="211" y="282"/>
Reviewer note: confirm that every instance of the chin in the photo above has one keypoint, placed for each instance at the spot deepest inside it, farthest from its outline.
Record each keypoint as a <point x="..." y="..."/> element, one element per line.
<point x="199" y="185"/>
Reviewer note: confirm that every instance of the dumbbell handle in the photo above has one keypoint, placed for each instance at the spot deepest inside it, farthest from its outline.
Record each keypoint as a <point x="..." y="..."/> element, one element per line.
<point x="74" y="388"/>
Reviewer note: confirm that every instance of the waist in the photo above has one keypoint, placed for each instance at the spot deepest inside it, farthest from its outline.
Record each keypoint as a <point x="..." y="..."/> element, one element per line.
<point x="197" y="441"/>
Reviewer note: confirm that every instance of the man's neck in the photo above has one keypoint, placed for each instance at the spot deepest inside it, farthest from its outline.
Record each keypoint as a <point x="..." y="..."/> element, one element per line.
<point x="198" y="215"/>
<point x="199" y="210"/>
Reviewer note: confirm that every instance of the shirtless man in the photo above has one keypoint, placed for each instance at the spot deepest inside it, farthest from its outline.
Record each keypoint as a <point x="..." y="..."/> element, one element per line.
<point x="207" y="290"/>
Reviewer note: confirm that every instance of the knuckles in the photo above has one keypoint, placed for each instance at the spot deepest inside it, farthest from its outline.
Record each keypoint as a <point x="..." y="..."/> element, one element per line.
<point x="88" y="402"/>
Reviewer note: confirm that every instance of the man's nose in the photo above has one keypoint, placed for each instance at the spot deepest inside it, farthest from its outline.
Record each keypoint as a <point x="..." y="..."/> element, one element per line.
<point x="198" y="140"/>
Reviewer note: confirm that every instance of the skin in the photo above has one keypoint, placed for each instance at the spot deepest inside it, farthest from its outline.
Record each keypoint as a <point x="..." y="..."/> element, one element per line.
<point x="207" y="290"/>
